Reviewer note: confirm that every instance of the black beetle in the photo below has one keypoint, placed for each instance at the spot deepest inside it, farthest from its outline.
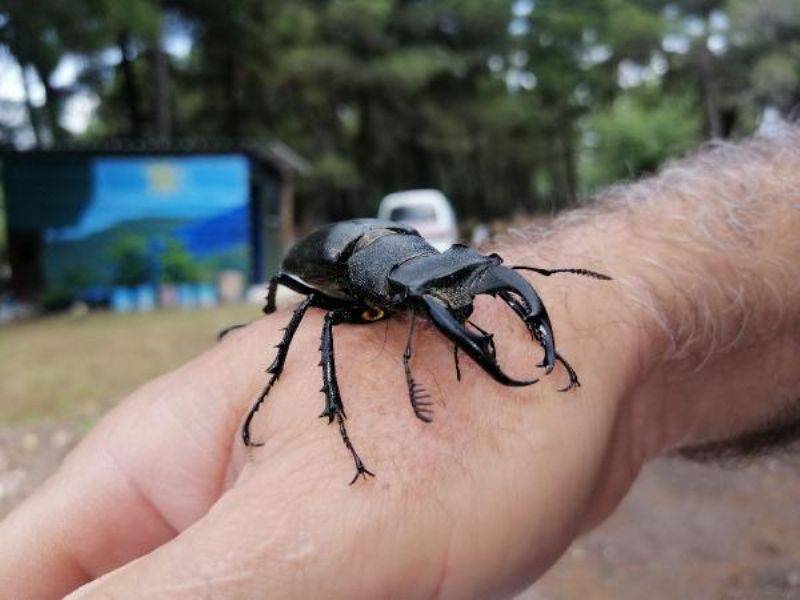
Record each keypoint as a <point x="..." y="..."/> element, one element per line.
<point x="366" y="270"/>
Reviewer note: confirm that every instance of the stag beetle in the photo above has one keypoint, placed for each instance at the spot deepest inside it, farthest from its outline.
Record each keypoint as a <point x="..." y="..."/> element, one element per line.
<point x="367" y="270"/>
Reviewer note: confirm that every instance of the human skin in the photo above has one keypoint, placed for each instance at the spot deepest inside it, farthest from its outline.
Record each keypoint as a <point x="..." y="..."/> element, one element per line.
<point x="696" y="339"/>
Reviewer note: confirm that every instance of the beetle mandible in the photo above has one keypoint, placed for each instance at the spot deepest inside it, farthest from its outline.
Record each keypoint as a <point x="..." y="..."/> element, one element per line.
<point x="367" y="270"/>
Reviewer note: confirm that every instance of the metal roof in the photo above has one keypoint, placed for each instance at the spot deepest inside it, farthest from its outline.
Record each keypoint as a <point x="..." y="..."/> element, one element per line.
<point x="270" y="151"/>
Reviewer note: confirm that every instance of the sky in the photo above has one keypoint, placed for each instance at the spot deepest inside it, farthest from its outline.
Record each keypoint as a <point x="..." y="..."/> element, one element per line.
<point x="80" y="107"/>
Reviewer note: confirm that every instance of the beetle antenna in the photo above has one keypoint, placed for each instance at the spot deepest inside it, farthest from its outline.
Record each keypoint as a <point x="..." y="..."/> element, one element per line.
<point x="548" y="272"/>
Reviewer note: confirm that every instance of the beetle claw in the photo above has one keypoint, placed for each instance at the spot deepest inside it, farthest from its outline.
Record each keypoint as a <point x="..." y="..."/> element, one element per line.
<point x="362" y="471"/>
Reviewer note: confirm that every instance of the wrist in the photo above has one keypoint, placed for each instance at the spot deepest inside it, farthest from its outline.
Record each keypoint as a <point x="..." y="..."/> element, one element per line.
<point x="612" y="346"/>
<point x="711" y="337"/>
<point x="602" y="326"/>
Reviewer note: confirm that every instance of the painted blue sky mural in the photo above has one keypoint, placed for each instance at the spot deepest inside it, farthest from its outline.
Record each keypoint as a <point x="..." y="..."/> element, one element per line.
<point x="129" y="189"/>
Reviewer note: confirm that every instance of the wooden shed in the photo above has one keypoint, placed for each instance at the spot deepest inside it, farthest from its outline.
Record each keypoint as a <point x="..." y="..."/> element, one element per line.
<point x="83" y="219"/>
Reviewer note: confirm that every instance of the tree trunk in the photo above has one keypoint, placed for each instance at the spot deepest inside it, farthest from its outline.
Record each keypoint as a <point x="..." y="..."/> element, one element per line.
<point x="33" y="115"/>
<point x="232" y="92"/>
<point x="363" y="150"/>
<point x="561" y="162"/>
<point x="161" y="103"/>
<point x="569" y="161"/>
<point x="52" y="101"/>
<point x="132" y="95"/>
<point x="709" y="94"/>
<point x="52" y="108"/>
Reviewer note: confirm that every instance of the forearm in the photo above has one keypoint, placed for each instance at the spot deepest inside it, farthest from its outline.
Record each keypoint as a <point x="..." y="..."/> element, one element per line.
<point x="706" y="257"/>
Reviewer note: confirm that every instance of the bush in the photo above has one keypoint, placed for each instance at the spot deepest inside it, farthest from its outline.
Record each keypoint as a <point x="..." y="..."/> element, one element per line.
<point x="132" y="264"/>
<point x="178" y="266"/>
<point x="636" y="134"/>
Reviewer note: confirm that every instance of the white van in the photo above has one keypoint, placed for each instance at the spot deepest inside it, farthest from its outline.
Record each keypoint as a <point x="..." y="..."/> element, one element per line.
<point x="428" y="211"/>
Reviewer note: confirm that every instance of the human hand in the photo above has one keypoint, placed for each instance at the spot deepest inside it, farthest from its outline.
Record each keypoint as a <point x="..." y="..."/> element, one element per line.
<point x="477" y="502"/>
<point x="695" y="340"/>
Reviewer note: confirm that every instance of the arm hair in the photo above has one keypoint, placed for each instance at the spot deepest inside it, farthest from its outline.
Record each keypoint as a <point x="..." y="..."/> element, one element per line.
<point x="716" y="275"/>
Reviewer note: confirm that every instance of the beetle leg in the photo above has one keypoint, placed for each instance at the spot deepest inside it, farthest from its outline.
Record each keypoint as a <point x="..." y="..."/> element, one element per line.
<point x="283" y="279"/>
<point x="361" y="470"/>
<point x="492" y="348"/>
<point x="420" y="399"/>
<point x="269" y="308"/>
<point x="330" y="385"/>
<point x="535" y="333"/>
<point x="276" y="368"/>
<point x="490" y="337"/>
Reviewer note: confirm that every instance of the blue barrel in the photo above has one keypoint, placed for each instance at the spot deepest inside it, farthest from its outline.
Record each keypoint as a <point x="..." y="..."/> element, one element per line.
<point x="122" y="299"/>
<point x="145" y="298"/>
<point x="187" y="295"/>
<point x="207" y="294"/>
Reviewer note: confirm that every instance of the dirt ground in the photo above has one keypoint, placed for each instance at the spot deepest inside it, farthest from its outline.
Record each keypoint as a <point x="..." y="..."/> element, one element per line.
<point x="692" y="531"/>
<point x="686" y="530"/>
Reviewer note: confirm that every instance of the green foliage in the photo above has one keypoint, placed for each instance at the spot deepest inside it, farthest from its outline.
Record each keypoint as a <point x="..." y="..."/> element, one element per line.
<point x="130" y="257"/>
<point x="506" y="105"/>
<point x="336" y="172"/>
<point x="409" y="71"/>
<point x="638" y="132"/>
<point x="178" y="266"/>
<point x="776" y="76"/>
<point x="61" y="295"/>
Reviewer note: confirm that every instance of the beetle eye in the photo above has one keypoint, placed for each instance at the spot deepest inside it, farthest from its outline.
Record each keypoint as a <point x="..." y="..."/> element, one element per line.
<point x="372" y="314"/>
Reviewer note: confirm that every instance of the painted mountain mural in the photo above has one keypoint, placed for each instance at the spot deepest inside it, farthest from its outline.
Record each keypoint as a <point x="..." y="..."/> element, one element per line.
<point x="139" y="210"/>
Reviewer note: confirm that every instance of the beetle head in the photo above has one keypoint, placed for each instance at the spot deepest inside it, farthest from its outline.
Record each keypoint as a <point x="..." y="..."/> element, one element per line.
<point x="445" y="286"/>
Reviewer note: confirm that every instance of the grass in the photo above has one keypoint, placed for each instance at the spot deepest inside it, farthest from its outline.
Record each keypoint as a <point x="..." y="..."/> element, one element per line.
<point x="67" y="366"/>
